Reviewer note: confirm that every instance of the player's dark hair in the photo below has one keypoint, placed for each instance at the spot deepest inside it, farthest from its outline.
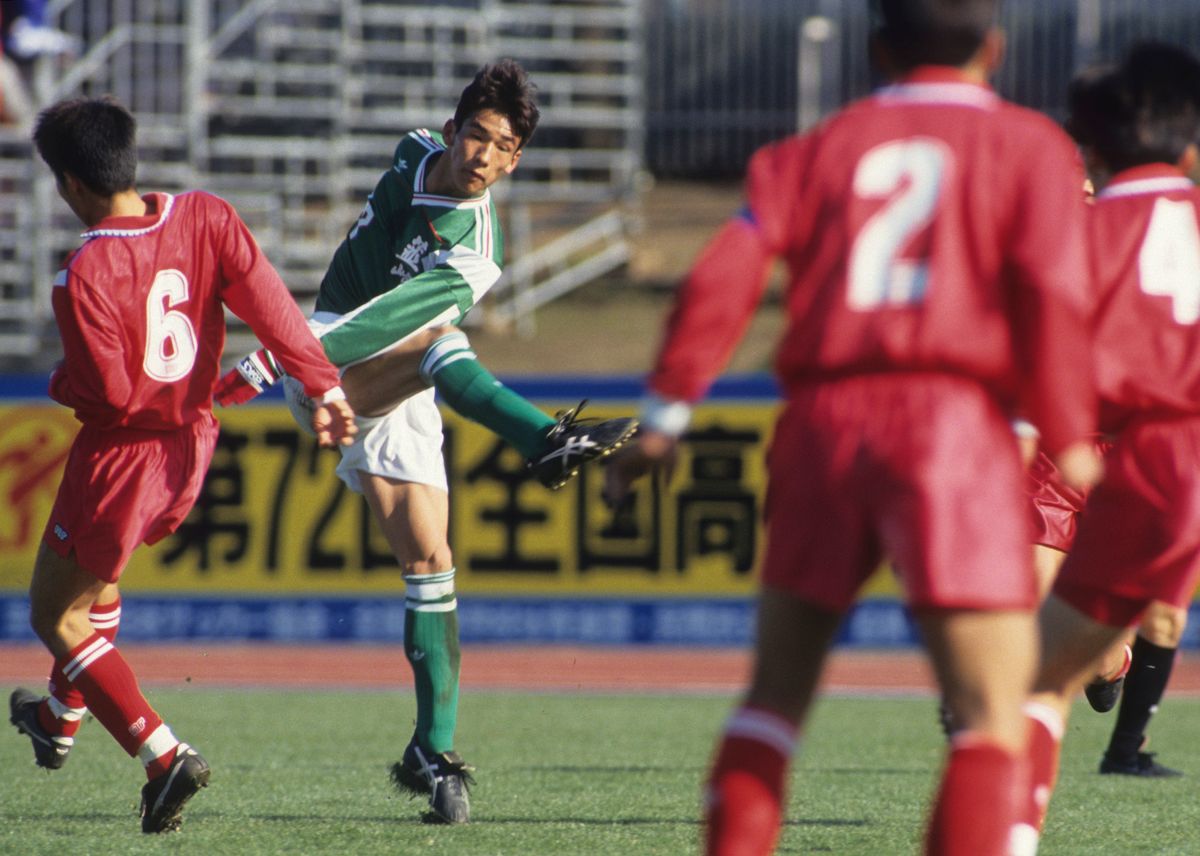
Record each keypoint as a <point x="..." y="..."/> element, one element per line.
<point x="1146" y="110"/>
<point x="504" y="87"/>
<point x="932" y="32"/>
<point x="94" y="139"/>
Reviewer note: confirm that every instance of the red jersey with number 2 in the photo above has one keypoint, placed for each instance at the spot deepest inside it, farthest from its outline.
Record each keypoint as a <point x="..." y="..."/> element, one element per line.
<point x="141" y="311"/>
<point x="932" y="227"/>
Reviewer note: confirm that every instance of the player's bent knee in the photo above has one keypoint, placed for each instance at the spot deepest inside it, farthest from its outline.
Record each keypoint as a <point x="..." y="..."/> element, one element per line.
<point x="438" y="561"/>
<point x="1163" y="625"/>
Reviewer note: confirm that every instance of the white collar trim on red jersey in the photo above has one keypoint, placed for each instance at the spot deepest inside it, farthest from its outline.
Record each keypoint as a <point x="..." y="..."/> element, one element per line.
<point x="133" y="233"/>
<point x="1164" y="184"/>
<point x="958" y="94"/>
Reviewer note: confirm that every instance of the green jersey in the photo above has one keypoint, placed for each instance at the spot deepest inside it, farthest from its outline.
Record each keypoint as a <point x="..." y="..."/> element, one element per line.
<point x="412" y="260"/>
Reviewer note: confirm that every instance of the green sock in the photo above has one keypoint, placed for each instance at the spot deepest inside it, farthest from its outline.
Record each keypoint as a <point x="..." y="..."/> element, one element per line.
<point x="463" y="383"/>
<point x="431" y="644"/>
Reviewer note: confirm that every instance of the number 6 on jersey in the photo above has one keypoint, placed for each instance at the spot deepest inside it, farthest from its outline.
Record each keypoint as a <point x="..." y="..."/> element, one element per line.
<point x="170" y="338"/>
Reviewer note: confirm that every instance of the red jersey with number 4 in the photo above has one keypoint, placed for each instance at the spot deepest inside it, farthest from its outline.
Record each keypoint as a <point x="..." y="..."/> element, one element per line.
<point x="140" y="308"/>
<point x="1146" y="257"/>
<point x="932" y="227"/>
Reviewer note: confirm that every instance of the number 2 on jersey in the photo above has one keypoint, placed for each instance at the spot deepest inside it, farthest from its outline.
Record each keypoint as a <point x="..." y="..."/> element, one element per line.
<point x="1169" y="260"/>
<point x="908" y="174"/>
<point x="170" y="338"/>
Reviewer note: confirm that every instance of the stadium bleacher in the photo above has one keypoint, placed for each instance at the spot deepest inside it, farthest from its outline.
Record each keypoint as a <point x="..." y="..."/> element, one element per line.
<point x="291" y="111"/>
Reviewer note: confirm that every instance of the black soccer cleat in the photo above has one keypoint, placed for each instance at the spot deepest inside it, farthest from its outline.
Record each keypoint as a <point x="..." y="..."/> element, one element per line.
<point x="1103" y="695"/>
<point x="163" y="797"/>
<point x="1143" y="765"/>
<point x="444" y="776"/>
<point x="49" y="750"/>
<point x="572" y="442"/>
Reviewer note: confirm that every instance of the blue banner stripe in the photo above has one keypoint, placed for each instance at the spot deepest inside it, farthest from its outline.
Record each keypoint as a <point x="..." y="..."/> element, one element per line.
<point x="711" y="622"/>
<point x="594" y="387"/>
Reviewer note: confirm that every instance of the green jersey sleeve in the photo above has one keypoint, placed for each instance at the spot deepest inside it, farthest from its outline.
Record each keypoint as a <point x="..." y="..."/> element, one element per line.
<point x="412" y="260"/>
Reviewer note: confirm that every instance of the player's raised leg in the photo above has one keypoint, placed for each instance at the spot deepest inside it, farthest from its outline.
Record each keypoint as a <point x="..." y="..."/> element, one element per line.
<point x="442" y="357"/>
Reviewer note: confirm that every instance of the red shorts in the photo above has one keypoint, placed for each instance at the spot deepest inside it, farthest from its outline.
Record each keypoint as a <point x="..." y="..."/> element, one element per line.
<point x="126" y="487"/>
<point x="921" y="468"/>
<point x="1055" y="506"/>
<point x="1139" y="536"/>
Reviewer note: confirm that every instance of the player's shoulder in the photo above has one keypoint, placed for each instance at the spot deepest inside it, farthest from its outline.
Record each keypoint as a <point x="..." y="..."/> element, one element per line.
<point x="202" y="202"/>
<point x="1030" y="123"/>
<point x="784" y="152"/>
<point x="1028" y="136"/>
<point x="414" y="147"/>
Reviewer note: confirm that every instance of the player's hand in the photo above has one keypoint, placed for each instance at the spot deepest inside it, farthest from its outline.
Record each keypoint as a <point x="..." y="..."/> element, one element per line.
<point x="1080" y="465"/>
<point x="252" y="374"/>
<point x="333" y="423"/>
<point x="650" y="452"/>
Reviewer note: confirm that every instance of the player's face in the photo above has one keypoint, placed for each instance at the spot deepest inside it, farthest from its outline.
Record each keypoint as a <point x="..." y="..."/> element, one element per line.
<point x="481" y="151"/>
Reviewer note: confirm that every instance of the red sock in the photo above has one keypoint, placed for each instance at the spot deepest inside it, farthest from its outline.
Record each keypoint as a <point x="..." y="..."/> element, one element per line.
<point x="1045" y="742"/>
<point x="111" y="691"/>
<point x="977" y="804"/>
<point x="744" y="799"/>
<point x="62" y="716"/>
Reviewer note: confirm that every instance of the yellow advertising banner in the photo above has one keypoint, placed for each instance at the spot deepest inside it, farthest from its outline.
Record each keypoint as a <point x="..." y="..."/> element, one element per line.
<point x="273" y="518"/>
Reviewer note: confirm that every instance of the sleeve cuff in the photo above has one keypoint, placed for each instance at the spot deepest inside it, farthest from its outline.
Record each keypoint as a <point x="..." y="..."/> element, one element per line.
<point x="1025" y="430"/>
<point x="664" y="416"/>
<point x="335" y="394"/>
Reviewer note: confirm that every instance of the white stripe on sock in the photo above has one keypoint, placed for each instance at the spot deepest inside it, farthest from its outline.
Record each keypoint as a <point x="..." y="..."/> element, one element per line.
<point x="429" y="588"/>
<point x="159" y="743"/>
<point x="444" y="346"/>
<point x="1047" y="716"/>
<point x="420" y="606"/>
<point x="86" y="657"/>
<point x="774" y="731"/>
<point x="61" y="711"/>
<point x="105" y="620"/>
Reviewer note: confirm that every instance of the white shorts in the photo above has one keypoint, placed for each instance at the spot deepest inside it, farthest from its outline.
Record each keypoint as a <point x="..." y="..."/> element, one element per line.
<point x="405" y="444"/>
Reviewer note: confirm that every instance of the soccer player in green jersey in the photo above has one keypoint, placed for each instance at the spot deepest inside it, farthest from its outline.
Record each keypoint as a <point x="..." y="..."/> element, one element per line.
<point x="425" y="249"/>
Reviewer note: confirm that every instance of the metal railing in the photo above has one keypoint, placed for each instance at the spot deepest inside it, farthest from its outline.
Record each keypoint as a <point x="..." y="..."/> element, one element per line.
<point x="725" y="78"/>
<point x="291" y="111"/>
<point x="291" y="108"/>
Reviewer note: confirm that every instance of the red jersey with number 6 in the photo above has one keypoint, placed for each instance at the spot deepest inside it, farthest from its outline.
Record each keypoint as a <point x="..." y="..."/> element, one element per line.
<point x="140" y="308"/>
<point x="1146" y="254"/>
<point x="932" y="227"/>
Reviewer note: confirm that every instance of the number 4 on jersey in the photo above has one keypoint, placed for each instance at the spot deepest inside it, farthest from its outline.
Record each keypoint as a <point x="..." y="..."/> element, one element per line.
<point x="1169" y="261"/>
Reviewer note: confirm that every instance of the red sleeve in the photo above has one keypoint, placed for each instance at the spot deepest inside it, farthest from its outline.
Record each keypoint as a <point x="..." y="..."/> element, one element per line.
<point x="1055" y="296"/>
<point x="712" y="308"/>
<point x="719" y="295"/>
<point x="257" y="295"/>
<point x="92" y="378"/>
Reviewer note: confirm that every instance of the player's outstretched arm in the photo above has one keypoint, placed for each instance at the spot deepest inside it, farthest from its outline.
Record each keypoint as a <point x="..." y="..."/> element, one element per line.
<point x="252" y="374"/>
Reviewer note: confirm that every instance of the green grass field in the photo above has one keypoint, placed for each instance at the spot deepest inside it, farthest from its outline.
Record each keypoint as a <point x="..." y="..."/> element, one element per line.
<point x="569" y="775"/>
